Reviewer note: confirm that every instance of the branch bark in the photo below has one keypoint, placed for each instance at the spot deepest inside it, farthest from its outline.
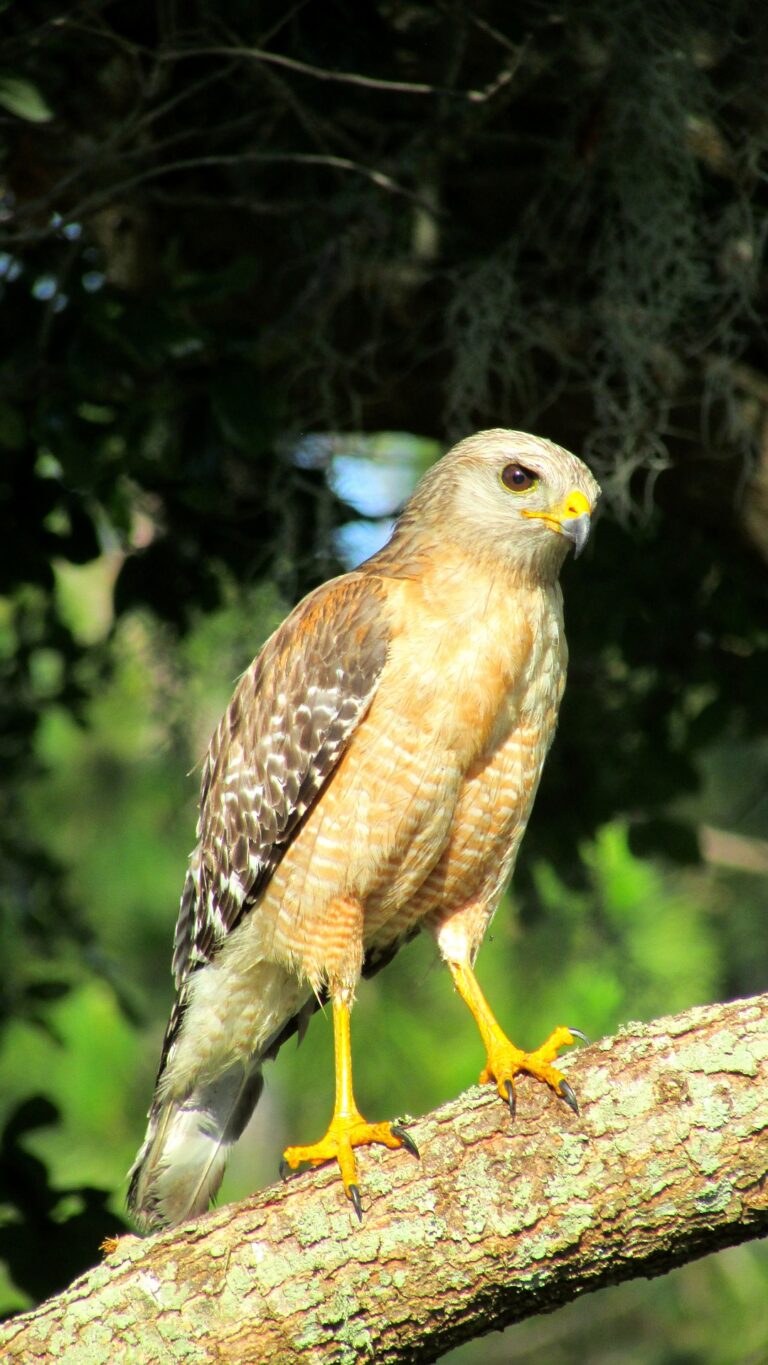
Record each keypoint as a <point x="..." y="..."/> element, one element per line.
<point x="668" y="1161"/>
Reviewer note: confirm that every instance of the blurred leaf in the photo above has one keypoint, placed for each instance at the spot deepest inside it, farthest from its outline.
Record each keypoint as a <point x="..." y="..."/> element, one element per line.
<point x="22" y="98"/>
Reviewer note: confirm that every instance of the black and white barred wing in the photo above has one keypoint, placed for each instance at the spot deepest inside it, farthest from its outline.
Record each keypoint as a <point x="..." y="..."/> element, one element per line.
<point x="292" y="716"/>
<point x="290" y="720"/>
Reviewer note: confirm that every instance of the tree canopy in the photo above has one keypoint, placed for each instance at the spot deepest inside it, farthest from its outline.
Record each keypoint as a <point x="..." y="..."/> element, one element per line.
<point x="230" y="228"/>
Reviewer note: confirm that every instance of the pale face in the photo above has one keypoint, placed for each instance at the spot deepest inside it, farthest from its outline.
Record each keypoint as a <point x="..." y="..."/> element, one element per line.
<point x="521" y="496"/>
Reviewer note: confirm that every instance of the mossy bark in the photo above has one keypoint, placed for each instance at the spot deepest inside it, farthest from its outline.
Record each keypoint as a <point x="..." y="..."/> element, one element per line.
<point x="499" y="1221"/>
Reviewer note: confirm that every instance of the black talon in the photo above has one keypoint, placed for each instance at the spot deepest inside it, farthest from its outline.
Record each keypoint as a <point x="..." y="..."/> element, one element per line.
<point x="511" y="1097"/>
<point x="284" y="1169"/>
<point x="567" y="1094"/>
<point x="406" y="1140"/>
<point x="354" y="1195"/>
<point x="578" y="1033"/>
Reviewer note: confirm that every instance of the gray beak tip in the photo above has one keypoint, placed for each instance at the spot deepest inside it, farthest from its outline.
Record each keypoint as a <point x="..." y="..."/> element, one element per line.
<point x="577" y="530"/>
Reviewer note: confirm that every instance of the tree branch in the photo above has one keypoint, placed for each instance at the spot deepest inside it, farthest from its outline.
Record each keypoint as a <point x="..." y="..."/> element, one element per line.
<point x="320" y="73"/>
<point x="498" y="1221"/>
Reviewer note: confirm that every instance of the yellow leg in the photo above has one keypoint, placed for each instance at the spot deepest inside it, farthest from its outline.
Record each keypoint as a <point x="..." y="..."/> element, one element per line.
<point x="504" y="1061"/>
<point x="347" y="1129"/>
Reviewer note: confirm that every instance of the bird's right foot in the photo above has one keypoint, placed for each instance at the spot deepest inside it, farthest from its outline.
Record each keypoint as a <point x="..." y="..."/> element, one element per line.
<point x="345" y="1132"/>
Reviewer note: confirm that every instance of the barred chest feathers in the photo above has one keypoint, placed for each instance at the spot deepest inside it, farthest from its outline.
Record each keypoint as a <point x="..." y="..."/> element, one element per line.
<point x="479" y="663"/>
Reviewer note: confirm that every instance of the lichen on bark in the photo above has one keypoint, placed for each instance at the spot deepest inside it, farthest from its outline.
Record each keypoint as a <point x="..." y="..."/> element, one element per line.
<point x="666" y="1161"/>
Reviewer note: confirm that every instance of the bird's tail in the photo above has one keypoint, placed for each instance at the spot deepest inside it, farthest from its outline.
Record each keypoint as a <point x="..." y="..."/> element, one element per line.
<point x="182" y="1161"/>
<point x="181" y="1164"/>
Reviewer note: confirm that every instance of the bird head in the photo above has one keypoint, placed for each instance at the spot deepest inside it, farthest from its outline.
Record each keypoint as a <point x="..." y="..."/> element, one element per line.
<point x="513" y="495"/>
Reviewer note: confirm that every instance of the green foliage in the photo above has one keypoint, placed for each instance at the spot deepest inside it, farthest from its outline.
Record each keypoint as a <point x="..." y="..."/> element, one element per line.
<point x="208" y="257"/>
<point x="23" y="99"/>
<point x="625" y="938"/>
<point x="66" y="1222"/>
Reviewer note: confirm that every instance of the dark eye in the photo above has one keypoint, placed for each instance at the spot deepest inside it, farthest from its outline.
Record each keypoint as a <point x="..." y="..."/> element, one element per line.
<point x="518" y="479"/>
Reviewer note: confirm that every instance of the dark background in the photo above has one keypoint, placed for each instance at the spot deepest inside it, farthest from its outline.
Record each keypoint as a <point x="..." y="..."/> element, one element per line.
<point x="229" y="226"/>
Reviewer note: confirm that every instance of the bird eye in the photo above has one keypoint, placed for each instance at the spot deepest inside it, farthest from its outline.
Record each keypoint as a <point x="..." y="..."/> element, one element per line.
<point x="518" y="479"/>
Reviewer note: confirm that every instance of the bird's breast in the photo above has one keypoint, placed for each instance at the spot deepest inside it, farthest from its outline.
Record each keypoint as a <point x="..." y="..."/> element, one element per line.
<point x="501" y="708"/>
<point x="458" y="710"/>
<point x="474" y="663"/>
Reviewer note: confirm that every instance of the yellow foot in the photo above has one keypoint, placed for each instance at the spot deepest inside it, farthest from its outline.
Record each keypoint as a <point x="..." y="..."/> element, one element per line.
<point x="505" y="1061"/>
<point x="346" y="1132"/>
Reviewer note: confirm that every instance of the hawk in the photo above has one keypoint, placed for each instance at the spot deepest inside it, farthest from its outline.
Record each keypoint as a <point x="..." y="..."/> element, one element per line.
<point x="372" y="776"/>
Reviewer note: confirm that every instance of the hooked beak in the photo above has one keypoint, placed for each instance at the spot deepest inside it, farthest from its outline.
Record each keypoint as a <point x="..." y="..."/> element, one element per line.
<point x="577" y="530"/>
<point x="572" y="519"/>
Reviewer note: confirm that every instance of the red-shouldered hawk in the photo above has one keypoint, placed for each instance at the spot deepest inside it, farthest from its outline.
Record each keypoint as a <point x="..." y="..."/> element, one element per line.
<point x="373" y="775"/>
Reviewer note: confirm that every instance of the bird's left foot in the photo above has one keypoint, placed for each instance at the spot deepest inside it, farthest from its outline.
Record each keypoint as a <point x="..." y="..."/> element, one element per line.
<point x="345" y="1132"/>
<point x="505" y="1061"/>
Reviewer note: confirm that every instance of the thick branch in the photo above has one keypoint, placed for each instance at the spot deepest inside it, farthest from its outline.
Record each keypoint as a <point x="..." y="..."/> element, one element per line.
<point x="668" y="1160"/>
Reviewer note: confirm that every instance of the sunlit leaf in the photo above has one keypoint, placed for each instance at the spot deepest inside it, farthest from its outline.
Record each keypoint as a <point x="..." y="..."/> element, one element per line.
<point x="22" y="98"/>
